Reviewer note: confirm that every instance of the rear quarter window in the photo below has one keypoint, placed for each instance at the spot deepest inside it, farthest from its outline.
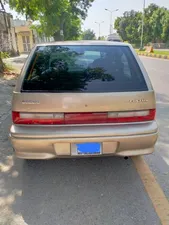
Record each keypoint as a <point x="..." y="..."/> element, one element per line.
<point x="83" y="69"/>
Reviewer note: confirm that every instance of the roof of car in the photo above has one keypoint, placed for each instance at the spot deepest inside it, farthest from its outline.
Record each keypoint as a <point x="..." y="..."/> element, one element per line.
<point x="85" y="43"/>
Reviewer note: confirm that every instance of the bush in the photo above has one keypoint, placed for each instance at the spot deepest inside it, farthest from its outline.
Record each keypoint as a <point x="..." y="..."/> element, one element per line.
<point x="5" y="55"/>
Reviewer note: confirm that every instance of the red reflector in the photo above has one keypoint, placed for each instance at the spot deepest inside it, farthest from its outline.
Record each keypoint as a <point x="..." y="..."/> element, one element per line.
<point x="15" y="117"/>
<point x="82" y="118"/>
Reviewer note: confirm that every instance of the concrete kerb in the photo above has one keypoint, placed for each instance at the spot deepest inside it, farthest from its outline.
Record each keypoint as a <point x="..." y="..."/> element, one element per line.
<point x="153" y="55"/>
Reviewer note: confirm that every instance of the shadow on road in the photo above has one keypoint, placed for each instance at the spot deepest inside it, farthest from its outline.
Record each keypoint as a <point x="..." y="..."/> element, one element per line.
<point x="78" y="192"/>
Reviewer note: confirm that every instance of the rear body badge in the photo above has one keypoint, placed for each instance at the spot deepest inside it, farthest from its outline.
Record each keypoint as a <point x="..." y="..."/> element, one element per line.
<point x="138" y="100"/>
<point x="30" y="102"/>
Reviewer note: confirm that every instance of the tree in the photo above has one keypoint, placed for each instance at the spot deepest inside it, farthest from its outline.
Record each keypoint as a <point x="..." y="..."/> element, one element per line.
<point x="102" y="38"/>
<point x="1" y="64"/>
<point x="2" y="9"/>
<point x="72" y="29"/>
<point x="88" y="35"/>
<point x="165" y="31"/>
<point x="156" y="25"/>
<point x="128" y="26"/>
<point x="54" y="15"/>
<point x="157" y="22"/>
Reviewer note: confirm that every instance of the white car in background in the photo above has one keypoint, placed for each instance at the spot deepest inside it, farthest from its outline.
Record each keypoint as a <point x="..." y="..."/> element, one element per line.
<point x="114" y="37"/>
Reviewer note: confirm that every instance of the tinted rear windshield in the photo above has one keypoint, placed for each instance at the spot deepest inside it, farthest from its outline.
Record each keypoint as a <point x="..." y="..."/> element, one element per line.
<point x="83" y="69"/>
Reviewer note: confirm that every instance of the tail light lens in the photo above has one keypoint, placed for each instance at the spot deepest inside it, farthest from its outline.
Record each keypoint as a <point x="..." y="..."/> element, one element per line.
<point x="134" y="116"/>
<point x="83" y="118"/>
<point x="37" y="118"/>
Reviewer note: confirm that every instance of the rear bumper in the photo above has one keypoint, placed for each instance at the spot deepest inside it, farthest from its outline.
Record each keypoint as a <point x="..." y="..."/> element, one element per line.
<point x="47" y="143"/>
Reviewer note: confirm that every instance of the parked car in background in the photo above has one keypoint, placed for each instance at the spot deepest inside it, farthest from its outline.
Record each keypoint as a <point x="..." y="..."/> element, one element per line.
<point x="82" y="99"/>
<point x="114" y="37"/>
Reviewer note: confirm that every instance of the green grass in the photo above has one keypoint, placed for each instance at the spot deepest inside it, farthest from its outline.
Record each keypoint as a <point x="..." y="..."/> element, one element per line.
<point x="158" y="52"/>
<point x="9" y="67"/>
<point x="137" y="50"/>
<point x="161" y="52"/>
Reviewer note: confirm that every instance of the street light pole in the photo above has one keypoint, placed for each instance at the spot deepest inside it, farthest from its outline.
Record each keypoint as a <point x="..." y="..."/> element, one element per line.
<point x="111" y="18"/>
<point x="142" y="26"/>
<point x="99" y="23"/>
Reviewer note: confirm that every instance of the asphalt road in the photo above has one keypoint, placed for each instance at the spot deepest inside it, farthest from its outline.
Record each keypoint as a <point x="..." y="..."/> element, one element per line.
<point x="158" y="70"/>
<point x="98" y="191"/>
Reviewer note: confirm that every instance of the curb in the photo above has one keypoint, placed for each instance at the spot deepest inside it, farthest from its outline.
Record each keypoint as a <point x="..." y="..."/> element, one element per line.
<point x="154" y="55"/>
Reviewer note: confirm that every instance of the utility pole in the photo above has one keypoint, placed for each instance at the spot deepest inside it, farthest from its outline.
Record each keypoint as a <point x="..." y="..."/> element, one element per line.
<point x="111" y="18"/>
<point x="142" y="26"/>
<point x="99" y="23"/>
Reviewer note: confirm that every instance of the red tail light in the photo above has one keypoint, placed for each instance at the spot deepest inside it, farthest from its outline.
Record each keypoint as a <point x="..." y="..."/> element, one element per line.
<point x="83" y="118"/>
<point x="37" y="118"/>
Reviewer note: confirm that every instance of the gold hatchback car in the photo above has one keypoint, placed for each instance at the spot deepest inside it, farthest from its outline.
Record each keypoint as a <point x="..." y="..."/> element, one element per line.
<point x="83" y="98"/>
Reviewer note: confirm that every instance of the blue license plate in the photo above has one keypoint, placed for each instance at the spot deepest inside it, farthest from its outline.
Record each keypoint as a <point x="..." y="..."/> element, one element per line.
<point x="88" y="148"/>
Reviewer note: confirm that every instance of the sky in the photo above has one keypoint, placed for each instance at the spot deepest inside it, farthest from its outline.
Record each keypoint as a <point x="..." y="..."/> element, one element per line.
<point x="97" y="12"/>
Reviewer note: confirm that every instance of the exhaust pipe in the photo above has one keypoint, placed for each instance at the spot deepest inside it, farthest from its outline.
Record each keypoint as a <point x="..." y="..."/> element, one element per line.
<point x="126" y="158"/>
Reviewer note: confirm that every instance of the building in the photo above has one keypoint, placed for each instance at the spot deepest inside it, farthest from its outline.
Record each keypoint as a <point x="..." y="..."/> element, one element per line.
<point x="41" y="39"/>
<point x="24" y="35"/>
<point x="7" y="34"/>
<point x="16" y="36"/>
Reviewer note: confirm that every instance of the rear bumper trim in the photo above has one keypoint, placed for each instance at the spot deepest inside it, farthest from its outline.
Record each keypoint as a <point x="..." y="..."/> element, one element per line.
<point x="104" y="130"/>
<point x="39" y="148"/>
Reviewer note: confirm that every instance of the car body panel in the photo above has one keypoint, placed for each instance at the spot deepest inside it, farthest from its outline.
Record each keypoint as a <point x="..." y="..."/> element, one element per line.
<point x="80" y="131"/>
<point x="83" y="102"/>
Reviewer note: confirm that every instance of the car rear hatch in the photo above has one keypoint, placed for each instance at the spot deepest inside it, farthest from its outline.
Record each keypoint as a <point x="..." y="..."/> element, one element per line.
<point x="82" y="108"/>
<point x="83" y="84"/>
